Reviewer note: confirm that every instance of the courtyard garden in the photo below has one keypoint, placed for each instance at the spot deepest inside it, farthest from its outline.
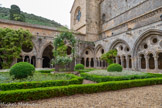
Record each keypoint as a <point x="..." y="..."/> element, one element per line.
<point x="22" y="82"/>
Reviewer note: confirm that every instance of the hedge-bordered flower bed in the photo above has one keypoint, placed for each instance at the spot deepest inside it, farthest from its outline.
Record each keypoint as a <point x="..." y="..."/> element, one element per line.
<point x="49" y="92"/>
<point x="35" y="84"/>
<point x="98" y="78"/>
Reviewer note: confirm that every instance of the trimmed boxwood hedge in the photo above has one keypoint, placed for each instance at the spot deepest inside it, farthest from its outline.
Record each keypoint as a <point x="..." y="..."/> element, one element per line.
<point x="35" y="84"/>
<point x="46" y="71"/>
<point x="114" y="68"/>
<point x="98" y="78"/>
<point x="49" y="92"/>
<point x="85" y="70"/>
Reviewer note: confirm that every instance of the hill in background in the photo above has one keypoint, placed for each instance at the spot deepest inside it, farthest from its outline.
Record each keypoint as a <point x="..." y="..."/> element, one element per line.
<point x="30" y="18"/>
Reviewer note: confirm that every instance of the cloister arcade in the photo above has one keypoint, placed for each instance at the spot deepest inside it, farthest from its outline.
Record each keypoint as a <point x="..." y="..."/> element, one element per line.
<point x="148" y="51"/>
<point x="144" y="55"/>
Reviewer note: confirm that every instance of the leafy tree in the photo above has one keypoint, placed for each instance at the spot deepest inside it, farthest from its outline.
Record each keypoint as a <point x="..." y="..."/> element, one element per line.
<point x="15" y="14"/>
<point x="30" y="18"/>
<point x="109" y="56"/>
<point x="60" y="47"/>
<point x="11" y="42"/>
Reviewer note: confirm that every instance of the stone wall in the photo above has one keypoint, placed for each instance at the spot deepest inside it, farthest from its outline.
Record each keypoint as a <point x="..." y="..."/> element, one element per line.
<point x="117" y="14"/>
<point x="81" y="25"/>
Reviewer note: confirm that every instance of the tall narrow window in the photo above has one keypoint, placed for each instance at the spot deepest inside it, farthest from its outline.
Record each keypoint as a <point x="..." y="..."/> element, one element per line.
<point x="103" y="18"/>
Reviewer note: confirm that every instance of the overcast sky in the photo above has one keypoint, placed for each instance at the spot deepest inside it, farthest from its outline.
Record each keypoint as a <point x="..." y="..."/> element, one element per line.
<point x="58" y="10"/>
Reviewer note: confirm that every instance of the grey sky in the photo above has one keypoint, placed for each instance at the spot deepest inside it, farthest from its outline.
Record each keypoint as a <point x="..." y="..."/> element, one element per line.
<point x="58" y="10"/>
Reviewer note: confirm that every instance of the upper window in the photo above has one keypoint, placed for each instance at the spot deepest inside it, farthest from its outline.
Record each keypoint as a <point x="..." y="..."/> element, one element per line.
<point x="103" y="18"/>
<point x="77" y="15"/>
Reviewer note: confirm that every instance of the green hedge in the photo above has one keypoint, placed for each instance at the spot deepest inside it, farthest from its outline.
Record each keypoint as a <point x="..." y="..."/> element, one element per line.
<point x="49" y="92"/>
<point x="35" y="84"/>
<point x="98" y="78"/>
<point x="46" y="71"/>
<point x="85" y="70"/>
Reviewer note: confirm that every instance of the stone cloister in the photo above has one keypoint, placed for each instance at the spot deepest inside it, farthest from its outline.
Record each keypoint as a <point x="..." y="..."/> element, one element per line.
<point x="144" y="55"/>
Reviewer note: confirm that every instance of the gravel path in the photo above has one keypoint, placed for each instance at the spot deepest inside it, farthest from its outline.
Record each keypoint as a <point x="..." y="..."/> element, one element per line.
<point x="142" y="97"/>
<point x="88" y="82"/>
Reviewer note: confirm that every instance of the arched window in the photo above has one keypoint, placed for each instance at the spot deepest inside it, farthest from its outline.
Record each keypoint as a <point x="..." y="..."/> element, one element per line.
<point x="78" y="14"/>
<point x="103" y="18"/>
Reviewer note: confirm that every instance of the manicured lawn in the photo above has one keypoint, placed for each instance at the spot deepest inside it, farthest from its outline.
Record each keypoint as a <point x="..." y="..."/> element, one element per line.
<point x="6" y="78"/>
<point x="123" y="73"/>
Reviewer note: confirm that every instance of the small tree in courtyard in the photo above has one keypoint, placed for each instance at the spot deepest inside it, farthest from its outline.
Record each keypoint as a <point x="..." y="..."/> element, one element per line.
<point x="109" y="56"/>
<point x="60" y="49"/>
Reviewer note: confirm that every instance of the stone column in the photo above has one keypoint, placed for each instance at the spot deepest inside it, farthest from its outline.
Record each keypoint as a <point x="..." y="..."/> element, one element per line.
<point x="122" y="59"/>
<point x="147" y="62"/>
<point x="23" y="57"/>
<point x="99" y="63"/>
<point x="117" y="60"/>
<point x="127" y="61"/>
<point x="30" y="59"/>
<point x="95" y="63"/>
<point x="39" y="62"/>
<point x="156" y="62"/>
<point x="85" y="62"/>
<point x="139" y="63"/>
<point x="89" y="62"/>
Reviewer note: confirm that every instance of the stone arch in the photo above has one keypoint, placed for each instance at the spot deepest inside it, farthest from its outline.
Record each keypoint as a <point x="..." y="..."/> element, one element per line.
<point x="43" y="48"/>
<point x="47" y="55"/>
<point x="144" y="44"/>
<point x="124" y="53"/>
<point x="99" y="50"/>
<point x="88" y="57"/>
<point x="117" y="41"/>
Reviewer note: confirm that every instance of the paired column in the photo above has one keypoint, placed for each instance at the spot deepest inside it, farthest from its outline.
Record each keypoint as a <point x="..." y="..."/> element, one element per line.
<point x="127" y="61"/>
<point x="117" y="60"/>
<point x="156" y="62"/>
<point x="147" y="62"/>
<point x="122" y="61"/>
<point x="85" y="62"/>
<point x="139" y="62"/>
<point x="89" y="62"/>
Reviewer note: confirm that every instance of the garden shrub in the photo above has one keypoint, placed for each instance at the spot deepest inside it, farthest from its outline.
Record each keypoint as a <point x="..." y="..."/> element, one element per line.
<point x="98" y="78"/>
<point x="22" y="70"/>
<point x="50" y="92"/>
<point x="86" y="70"/>
<point x="79" y="67"/>
<point x="46" y="71"/>
<point x="115" y="68"/>
<point x="35" y="84"/>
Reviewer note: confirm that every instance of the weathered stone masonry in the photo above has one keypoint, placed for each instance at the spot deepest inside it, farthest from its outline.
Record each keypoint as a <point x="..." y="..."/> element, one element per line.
<point x="133" y="27"/>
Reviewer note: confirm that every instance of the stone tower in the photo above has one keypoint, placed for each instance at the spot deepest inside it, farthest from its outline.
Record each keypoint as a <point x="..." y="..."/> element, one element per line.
<point x="85" y="18"/>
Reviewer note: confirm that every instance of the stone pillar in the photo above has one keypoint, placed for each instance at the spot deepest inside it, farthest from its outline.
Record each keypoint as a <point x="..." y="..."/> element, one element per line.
<point x="147" y="62"/>
<point x="139" y="63"/>
<point x="117" y="60"/>
<point x="23" y="57"/>
<point x="122" y="59"/>
<point x="30" y="59"/>
<point x="89" y="62"/>
<point x="39" y="62"/>
<point x="127" y="62"/>
<point x="156" y="62"/>
<point x="99" y="63"/>
<point x="85" y="62"/>
<point x="95" y="63"/>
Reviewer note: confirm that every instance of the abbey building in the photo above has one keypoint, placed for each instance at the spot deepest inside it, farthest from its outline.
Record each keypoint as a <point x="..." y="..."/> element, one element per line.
<point x="133" y="27"/>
